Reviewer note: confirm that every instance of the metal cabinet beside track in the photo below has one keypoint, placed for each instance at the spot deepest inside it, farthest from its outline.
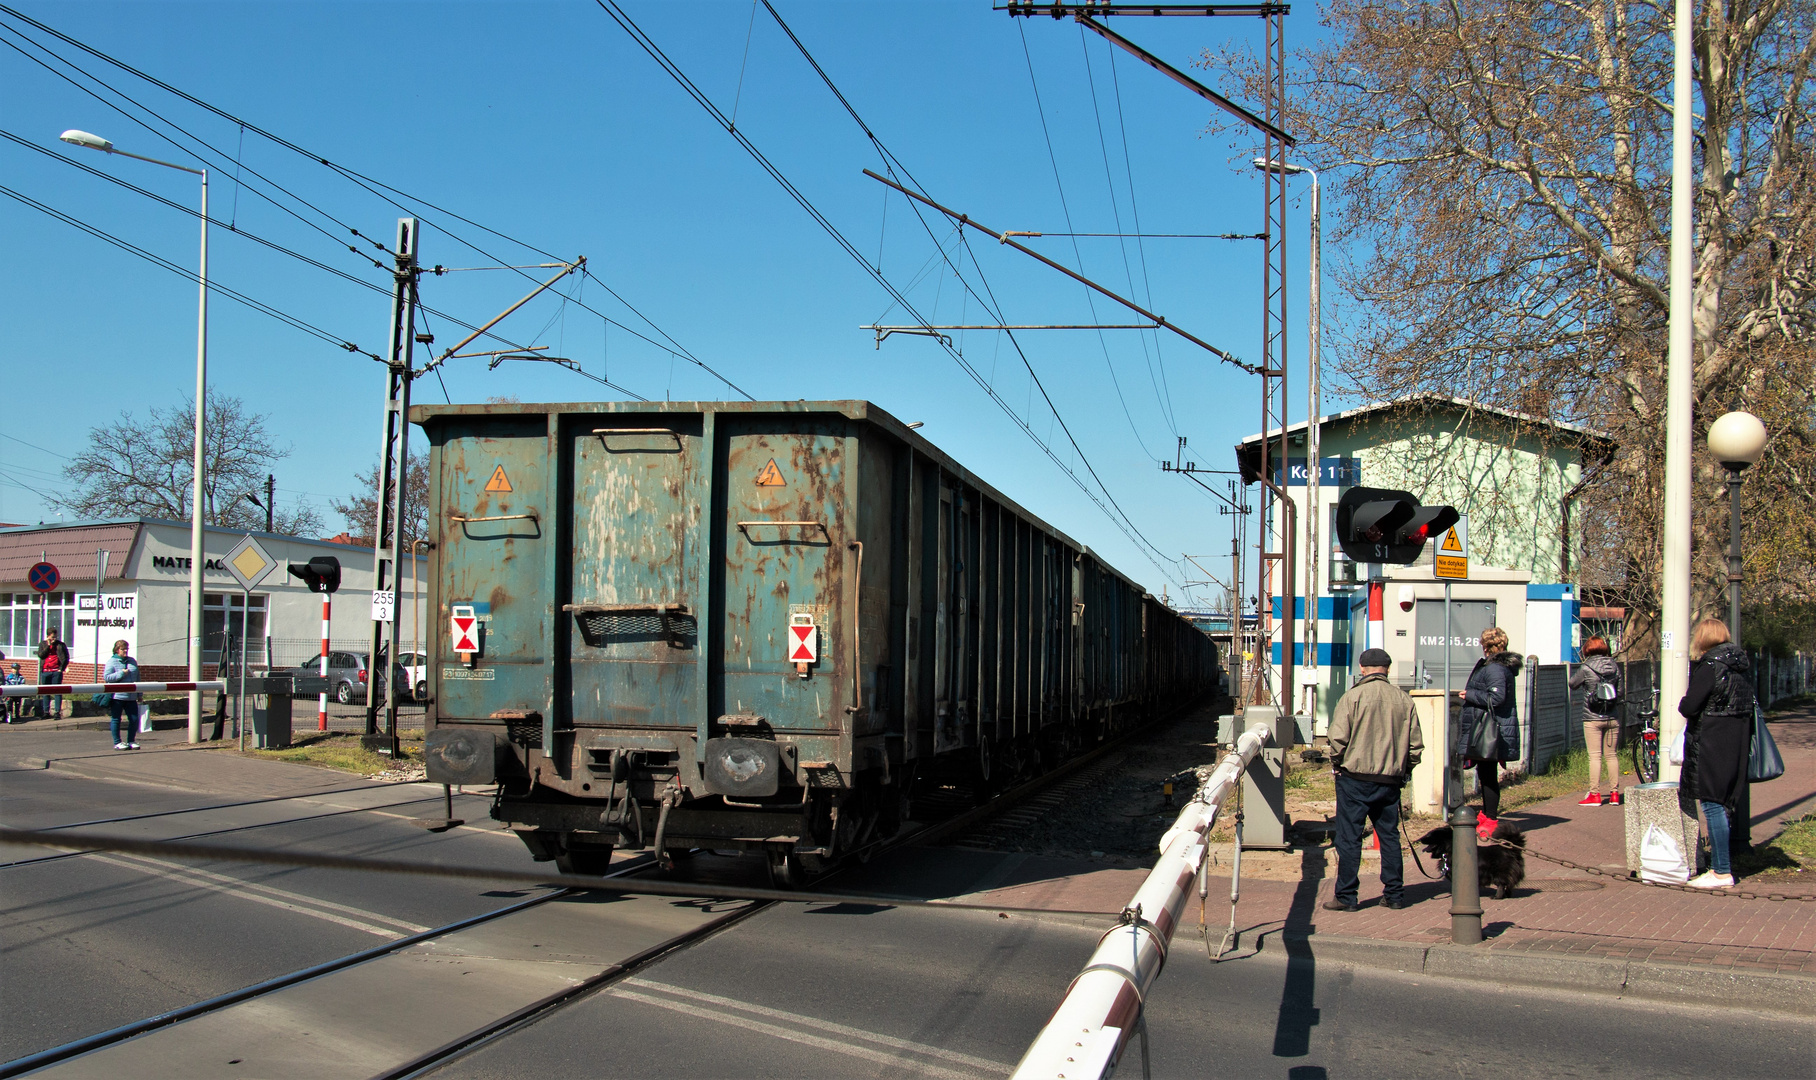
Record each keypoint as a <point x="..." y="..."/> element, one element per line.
<point x="757" y="625"/>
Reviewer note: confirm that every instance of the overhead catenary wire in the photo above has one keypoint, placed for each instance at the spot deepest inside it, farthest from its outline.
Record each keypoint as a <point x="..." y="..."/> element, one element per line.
<point x="892" y="163"/>
<point x="372" y="186"/>
<point x="1128" y="273"/>
<point x="630" y="27"/>
<point x="1141" y="251"/>
<point x="185" y="272"/>
<point x="1065" y="208"/>
<point x="175" y="127"/>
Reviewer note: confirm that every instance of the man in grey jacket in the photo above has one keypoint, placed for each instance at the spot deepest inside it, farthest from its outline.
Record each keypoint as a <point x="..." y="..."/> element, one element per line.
<point x="1374" y="743"/>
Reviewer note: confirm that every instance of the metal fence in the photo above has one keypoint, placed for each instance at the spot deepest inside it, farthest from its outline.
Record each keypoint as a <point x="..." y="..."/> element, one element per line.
<point x="289" y="652"/>
<point x="1553" y="712"/>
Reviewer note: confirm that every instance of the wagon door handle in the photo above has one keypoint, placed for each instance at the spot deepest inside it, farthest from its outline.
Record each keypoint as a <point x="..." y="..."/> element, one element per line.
<point x="857" y="632"/>
<point x="745" y="526"/>
<point x="608" y="432"/>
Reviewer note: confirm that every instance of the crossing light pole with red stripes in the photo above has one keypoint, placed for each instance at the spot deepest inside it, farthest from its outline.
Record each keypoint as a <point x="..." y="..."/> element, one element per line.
<point x="322" y="575"/>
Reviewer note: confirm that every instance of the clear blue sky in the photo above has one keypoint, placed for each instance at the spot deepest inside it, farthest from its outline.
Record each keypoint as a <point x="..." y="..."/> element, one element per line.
<point x="549" y="124"/>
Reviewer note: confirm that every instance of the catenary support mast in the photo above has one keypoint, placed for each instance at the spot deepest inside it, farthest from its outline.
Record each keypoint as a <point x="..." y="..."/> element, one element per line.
<point x="387" y="531"/>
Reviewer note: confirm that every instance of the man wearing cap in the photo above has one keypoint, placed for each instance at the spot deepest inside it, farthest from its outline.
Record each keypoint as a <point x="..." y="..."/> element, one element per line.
<point x="1374" y="743"/>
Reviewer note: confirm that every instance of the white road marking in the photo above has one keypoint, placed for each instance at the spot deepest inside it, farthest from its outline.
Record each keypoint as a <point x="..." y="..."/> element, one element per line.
<point x="976" y="1065"/>
<point x="262" y="894"/>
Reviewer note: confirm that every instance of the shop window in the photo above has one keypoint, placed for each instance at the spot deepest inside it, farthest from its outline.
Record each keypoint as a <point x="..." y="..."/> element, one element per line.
<point x="226" y="615"/>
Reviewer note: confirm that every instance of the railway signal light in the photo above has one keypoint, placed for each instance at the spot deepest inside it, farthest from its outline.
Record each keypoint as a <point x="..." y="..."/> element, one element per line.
<point x="321" y="574"/>
<point x="1384" y="525"/>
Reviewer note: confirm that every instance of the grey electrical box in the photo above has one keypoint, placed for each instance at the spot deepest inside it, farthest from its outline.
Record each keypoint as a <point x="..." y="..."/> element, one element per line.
<point x="1264" y="782"/>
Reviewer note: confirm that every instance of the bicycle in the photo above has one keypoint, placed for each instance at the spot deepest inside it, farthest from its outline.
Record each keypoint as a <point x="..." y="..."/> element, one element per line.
<point x="1644" y="744"/>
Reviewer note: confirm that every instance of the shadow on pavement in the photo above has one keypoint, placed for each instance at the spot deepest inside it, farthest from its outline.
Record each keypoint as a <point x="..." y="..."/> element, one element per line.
<point x="1298" y="1015"/>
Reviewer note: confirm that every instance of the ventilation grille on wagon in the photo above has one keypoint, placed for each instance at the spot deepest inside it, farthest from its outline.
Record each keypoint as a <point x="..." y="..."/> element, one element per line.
<point x="602" y="625"/>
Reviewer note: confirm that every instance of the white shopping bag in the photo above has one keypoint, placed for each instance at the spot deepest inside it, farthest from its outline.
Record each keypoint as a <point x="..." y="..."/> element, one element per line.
<point x="1661" y="859"/>
<point x="1675" y="755"/>
<point x="144" y="716"/>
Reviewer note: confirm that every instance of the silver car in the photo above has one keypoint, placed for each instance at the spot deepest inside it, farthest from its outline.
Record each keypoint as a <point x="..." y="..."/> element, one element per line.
<point x="349" y="677"/>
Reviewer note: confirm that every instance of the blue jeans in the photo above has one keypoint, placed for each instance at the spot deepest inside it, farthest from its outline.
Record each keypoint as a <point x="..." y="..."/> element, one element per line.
<point x="130" y="710"/>
<point x="48" y="702"/>
<point x="1359" y="801"/>
<point x="1717" y="816"/>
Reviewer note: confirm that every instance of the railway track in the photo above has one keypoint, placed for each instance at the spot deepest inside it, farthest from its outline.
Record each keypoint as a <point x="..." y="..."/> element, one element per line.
<point x="228" y="830"/>
<point x="426" y="966"/>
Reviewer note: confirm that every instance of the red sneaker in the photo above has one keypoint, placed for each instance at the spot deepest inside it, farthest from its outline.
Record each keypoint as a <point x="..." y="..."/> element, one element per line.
<point x="1613" y="798"/>
<point x="1592" y="799"/>
<point x="1485" y="826"/>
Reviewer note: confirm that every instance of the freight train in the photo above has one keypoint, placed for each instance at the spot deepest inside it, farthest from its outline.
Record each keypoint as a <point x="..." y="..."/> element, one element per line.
<point x="759" y="626"/>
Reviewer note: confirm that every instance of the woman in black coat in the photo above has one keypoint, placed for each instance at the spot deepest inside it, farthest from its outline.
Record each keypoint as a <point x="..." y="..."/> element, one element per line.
<point x="1489" y="692"/>
<point x="1718" y="737"/>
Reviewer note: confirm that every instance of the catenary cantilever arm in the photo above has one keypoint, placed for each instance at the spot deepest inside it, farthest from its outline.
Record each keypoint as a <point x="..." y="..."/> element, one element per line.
<point x="964" y="219"/>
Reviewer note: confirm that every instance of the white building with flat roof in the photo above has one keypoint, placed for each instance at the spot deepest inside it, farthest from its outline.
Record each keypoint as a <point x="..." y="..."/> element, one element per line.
<point x="144" y="596"/>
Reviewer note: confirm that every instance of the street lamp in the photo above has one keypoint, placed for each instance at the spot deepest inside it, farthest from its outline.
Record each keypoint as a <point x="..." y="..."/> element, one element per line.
<point x="1313" y="429"/>
<point x="196" y="559"/>
<point x="1738" y="440"/>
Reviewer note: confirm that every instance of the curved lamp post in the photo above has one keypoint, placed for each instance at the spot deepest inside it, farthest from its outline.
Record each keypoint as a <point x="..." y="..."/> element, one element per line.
<point x="196" y="558"/>
<point x="1738" y="441"/>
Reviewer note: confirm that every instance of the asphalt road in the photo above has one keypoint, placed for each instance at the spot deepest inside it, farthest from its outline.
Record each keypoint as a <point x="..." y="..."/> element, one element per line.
<point x="94" y="941"/>
<point x="798" y="990"/>
<point x="835" y="992"/>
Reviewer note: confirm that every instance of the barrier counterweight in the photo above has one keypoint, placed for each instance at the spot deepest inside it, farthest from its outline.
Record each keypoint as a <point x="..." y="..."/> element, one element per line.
<point x="1103" y="1006"/>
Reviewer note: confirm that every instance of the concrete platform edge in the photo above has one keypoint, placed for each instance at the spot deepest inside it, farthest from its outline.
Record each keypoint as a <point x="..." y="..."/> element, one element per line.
<point x="1679" y="983"/>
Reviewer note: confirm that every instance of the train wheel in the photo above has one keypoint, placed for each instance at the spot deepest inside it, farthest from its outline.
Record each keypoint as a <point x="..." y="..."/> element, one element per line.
<point x="586" y="860"/>
<point x="985" y="770"/>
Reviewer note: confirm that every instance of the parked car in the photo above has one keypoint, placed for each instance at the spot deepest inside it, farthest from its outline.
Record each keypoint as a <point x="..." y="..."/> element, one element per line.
<point x="349" y="677"/>
<point x="416" y="667"/>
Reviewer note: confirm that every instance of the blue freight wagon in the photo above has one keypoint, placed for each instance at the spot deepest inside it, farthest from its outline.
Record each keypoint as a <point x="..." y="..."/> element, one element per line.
<point x="758" y="626"/>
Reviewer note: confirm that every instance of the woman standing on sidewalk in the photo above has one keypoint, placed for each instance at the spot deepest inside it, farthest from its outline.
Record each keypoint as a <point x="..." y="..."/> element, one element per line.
<point x="1488" y="698"/>
<point x="1601" y="724"/>
<point x="1718" y="735"/>
<point x="122" y="668"/>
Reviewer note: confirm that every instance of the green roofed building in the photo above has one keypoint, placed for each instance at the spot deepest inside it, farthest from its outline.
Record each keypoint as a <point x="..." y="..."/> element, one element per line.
<point x="1515" y="477"/>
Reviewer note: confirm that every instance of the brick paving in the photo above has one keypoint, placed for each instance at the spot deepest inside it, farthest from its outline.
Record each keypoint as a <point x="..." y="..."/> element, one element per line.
<point x="1558" y="910"/>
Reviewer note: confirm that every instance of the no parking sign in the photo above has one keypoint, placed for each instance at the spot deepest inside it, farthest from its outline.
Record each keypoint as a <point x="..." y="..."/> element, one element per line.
<point x="43" y="577"/>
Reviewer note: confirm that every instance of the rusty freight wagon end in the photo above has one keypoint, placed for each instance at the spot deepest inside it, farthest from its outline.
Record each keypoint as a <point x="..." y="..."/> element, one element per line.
<point x="757" y="625"/>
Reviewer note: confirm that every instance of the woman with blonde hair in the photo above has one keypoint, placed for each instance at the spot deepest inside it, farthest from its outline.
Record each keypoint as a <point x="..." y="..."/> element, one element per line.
<point x="1487" y="698"/>
<point x="1718" y="733"/>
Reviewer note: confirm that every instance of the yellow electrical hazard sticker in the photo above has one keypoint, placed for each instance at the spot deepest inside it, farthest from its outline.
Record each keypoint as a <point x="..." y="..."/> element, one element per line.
<point x="771" y="476"/>
<point x="1450" y="541"/>
<point x="499" y="481"/>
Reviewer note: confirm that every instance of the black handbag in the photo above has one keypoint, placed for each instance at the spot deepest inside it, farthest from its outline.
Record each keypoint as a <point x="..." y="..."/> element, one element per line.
<point x="1484" y="736"/>
<point x="1764" y="762"/>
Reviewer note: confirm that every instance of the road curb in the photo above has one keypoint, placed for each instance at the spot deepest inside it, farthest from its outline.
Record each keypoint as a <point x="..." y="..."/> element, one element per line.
<point x="1678" y="983"/>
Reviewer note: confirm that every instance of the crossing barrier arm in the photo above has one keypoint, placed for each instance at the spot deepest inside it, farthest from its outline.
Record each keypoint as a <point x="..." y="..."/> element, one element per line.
<point x="53" y="689"/>
<point x="1102" y="1008"/>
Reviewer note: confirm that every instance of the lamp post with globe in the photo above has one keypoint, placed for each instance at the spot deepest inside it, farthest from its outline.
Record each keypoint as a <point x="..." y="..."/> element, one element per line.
<point x="1738" y="441"/>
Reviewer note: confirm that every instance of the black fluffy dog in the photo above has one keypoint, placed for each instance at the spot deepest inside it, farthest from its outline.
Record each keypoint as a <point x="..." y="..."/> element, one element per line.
<point x="1498" y="867"/>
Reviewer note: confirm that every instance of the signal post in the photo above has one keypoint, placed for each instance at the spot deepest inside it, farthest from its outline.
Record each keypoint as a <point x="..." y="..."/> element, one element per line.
<point x="1388" y="526"/>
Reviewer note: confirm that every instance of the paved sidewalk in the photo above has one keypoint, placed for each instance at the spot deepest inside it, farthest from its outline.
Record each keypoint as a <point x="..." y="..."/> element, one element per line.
<point x="1558" y="912"/>
<point x="166" y="759"/>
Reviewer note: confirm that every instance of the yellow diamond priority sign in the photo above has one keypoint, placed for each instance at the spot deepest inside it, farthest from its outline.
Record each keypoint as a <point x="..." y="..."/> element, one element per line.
<point x="249" y="563"/>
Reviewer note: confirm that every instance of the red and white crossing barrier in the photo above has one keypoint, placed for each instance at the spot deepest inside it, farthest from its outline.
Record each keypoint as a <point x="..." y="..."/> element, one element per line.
<point x="1102" y="1007"/>
<point x="52" y="689"/>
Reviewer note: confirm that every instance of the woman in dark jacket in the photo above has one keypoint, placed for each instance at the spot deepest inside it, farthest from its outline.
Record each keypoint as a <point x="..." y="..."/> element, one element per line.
<point x="1718" y="737"/>
<point x="1489" y="692"/>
